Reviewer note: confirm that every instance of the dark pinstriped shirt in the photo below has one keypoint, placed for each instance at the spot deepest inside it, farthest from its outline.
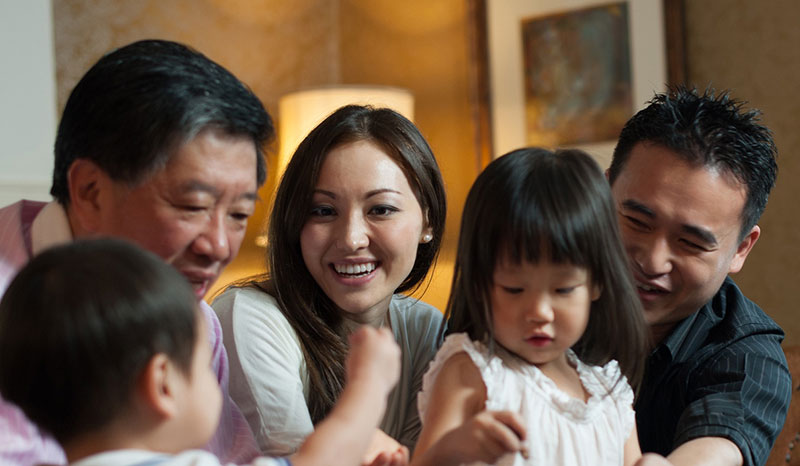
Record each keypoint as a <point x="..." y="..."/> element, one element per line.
<point x="721" y="373"/>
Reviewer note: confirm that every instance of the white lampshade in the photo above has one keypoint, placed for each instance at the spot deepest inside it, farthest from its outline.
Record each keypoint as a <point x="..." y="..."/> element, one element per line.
<point x="301" y="111"/>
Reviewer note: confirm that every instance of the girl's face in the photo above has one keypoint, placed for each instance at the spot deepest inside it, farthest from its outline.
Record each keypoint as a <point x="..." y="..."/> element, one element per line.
<point x="540" y="310"/>
<point x="361" y="237"/>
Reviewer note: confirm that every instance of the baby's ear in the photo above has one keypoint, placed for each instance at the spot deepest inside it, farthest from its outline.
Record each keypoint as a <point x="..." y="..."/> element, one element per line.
<point x="597" y="290"/>
<point x="158" y="386"/>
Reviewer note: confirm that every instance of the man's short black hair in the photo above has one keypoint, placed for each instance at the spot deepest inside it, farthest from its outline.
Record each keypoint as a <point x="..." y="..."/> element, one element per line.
<point x="134" y="108"/>
<point x="712" y="130"/>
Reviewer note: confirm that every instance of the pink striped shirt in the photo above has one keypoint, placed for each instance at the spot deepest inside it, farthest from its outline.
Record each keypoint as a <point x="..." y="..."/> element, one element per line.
<point x="21" y="442"/>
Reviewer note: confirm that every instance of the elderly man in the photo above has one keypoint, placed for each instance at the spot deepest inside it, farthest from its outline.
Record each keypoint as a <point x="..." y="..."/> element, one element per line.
<point x="691" y="174"/>
<point x="161" y="146"/>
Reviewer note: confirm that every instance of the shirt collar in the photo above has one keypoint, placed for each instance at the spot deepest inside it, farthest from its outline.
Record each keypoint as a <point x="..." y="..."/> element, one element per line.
<point x="682" y="342"/>
<point x="50" y="228"/>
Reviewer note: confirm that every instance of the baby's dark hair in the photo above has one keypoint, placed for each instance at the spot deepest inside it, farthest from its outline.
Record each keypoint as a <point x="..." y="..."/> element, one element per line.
<point x="78" y="325"/>
<point x="531" y="205"/>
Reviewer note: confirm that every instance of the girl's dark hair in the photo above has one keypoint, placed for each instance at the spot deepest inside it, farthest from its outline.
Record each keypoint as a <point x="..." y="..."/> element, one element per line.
<point x="530" y="205"/>
<point x="315" y="318"/>
<point x="78" y="325"/>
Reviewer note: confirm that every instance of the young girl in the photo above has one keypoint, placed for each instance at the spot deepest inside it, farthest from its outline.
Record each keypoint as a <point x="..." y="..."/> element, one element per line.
<point x="544" y="327"/>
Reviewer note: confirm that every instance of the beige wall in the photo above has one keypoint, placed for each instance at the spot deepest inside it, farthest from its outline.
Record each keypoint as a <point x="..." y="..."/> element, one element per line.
<point x="753" y="48"/>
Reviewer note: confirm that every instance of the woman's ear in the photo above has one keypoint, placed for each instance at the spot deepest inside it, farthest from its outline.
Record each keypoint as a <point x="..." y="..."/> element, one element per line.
<point x="427" y="230"/>
<point x="158" y="387"/>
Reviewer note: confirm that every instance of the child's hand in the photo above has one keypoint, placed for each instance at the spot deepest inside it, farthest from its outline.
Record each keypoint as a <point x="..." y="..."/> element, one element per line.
<point x="374" y="358"/>
<point x="385" y="451"/>
<point x="486" y="437"/>
<point x="652" y="459"/>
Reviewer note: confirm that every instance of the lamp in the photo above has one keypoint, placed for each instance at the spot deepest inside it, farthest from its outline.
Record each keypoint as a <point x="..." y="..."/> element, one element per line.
<point x="302" y="111"/>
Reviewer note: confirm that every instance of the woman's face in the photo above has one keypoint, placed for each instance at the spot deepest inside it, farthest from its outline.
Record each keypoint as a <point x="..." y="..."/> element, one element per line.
<point x="361" y="237"/>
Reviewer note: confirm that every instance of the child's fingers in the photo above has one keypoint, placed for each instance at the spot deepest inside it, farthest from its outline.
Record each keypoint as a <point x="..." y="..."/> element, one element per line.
<point x="506" y="431"/>
<point x="513" y="421"/>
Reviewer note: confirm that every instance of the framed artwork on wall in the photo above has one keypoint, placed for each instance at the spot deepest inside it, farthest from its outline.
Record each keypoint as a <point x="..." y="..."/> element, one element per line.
<point x="569" y="73"/>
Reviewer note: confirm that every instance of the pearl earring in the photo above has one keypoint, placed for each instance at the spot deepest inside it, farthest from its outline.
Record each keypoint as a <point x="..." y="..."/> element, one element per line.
<point x="427" y="237"/>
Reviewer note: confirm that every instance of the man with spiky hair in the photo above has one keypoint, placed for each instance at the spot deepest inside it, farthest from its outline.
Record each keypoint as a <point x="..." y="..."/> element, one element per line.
<point x="691" y="175"/>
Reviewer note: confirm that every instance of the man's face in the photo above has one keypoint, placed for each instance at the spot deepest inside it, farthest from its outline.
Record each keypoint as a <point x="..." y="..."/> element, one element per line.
<point x="680" y="225"/>
<point x="193" y="212"/>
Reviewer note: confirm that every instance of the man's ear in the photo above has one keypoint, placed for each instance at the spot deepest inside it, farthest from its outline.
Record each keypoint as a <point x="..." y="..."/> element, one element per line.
<point x="158" y="386"/>
<point x="87" y="184"/>
<point x="744" y="248"/>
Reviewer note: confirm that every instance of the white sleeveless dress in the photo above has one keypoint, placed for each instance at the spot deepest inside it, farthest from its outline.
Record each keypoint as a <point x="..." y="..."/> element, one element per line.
<point x="561" y="430"/>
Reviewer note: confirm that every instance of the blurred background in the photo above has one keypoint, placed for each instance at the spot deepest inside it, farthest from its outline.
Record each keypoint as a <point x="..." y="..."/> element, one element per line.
<point x="433" y="48"/>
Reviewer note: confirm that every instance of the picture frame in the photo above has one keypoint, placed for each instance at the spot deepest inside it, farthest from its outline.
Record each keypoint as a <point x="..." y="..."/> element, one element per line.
<point x="657" y="58"/>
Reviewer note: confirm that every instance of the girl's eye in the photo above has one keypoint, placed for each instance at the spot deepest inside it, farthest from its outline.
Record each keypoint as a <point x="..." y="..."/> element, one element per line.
<point x="565" y="290"/>
<point x="322" y="211"/>
<point x="383" y="210"/>
<point x="512" y="290"/>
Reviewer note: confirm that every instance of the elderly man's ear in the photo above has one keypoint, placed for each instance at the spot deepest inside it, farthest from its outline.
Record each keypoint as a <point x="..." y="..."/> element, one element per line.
<point x="90" y="191"/>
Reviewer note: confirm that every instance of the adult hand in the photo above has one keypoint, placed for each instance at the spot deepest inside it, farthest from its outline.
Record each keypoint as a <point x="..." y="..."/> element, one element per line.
<point x="385" y="451"/>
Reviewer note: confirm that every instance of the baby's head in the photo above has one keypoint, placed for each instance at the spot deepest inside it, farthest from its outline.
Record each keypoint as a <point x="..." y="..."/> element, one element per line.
<point x="99" y="334"/>
<point x="535" y="206"/>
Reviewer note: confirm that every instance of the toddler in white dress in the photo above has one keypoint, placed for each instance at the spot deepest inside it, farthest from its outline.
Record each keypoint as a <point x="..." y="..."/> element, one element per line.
<point x="544" y="328"/>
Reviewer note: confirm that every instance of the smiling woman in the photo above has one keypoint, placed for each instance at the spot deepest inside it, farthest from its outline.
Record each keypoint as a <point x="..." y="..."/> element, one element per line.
<point x="358" y="220"/>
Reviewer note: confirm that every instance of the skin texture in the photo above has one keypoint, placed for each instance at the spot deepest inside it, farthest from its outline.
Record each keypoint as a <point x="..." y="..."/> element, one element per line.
<point x="192" y="213"/>
<point x="681" y="227"/>
<point x="364" y="215"/>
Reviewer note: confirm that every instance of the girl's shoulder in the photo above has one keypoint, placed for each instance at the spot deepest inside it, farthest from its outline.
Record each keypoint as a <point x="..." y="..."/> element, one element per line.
<point x="458" y="354"/>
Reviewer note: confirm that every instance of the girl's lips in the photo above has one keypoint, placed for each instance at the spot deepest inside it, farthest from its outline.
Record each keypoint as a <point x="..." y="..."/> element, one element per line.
<point x="539" y="340"/>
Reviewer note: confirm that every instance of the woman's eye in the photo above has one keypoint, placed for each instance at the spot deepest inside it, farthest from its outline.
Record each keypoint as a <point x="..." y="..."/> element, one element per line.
<point x="322" y="211"/>
<point x="383" y="210"/>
